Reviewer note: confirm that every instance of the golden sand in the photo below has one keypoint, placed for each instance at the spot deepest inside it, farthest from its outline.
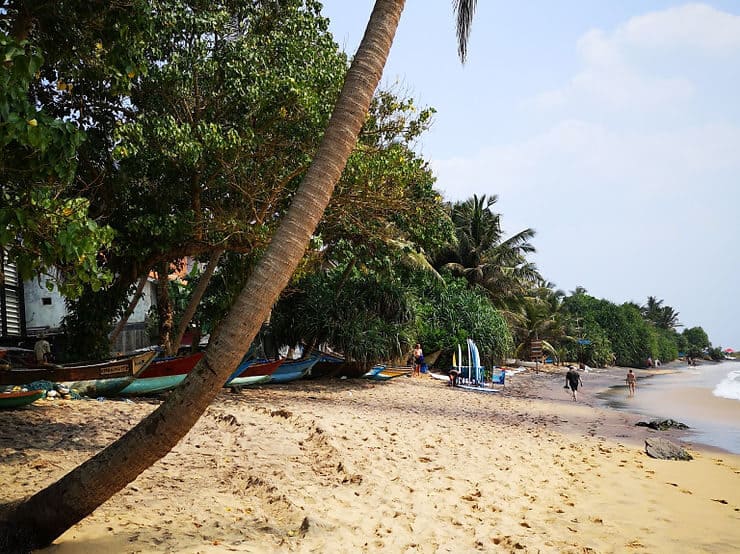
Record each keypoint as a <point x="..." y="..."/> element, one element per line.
<point x="408" y="465"/>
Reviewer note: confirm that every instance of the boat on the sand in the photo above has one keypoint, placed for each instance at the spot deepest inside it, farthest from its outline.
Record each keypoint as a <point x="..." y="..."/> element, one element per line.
<point x="106" y="378"/>
<point x="16" y="399"/>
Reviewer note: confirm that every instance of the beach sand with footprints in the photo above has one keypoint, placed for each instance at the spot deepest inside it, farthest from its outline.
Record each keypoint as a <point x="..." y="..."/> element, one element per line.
<point x="409" y="465"/>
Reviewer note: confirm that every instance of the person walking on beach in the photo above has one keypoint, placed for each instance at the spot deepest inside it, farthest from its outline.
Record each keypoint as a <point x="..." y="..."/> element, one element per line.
<point x="573" y="381"/>
<point x="418" y="356"/>
<point x="631" y="382"/>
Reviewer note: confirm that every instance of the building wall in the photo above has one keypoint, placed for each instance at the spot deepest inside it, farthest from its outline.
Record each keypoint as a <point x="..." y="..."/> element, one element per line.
<point x="45" y="309"/>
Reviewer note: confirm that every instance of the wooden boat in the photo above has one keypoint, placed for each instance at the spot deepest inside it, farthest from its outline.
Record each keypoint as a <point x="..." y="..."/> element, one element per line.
<point x="14" y="356"/>
<point x="253" y="372"/>
<point x="328" y="364"/>
<point x="384" y="373"/>
<point x="334" y="365"/>
<point x="162" y="375"/>
<point x="92" y="379"/>
<point x="290" y="370"/>
<point x="10" y="400"/>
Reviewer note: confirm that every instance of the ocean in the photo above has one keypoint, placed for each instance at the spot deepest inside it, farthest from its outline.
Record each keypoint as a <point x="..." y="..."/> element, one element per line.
<point x="706" y="398"/>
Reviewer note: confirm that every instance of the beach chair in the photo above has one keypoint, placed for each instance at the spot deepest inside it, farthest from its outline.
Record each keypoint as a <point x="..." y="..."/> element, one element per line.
<point x="498" y="378"/>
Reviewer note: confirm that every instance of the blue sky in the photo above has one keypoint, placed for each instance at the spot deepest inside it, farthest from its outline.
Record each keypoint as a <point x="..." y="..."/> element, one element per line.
<point x="611" y="128"/>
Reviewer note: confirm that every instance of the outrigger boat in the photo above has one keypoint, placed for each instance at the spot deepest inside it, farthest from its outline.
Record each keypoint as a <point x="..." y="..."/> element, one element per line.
<point x="105" y="378"/>
<point x="162" y="375"/>
<point x="290" y="370"/>
<point x="384" y="373"/>
<point x="253" y="372"/>
<point x="16" y="399"/>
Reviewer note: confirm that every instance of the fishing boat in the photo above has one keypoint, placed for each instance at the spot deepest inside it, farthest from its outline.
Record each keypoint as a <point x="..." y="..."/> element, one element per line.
<point x="14" y="356"/>
<point x="105" y="378"/>
<point x="162" y="375"/>
<point x="16" y="399"/>
<point x="290" y="370"/>
<point x="253" y="372"/>
<point x="384" y="373"/>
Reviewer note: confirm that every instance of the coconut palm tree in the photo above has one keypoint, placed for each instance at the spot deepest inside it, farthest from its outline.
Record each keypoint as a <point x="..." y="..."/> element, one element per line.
<point x="542" y="319"/>
<point x="484" y="257"/>
<point x="35" y="522"/>
<point x="664" y="317"/>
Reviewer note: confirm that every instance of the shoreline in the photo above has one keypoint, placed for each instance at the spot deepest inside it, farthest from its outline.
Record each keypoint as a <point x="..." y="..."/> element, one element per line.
<point x="407" y="465"/>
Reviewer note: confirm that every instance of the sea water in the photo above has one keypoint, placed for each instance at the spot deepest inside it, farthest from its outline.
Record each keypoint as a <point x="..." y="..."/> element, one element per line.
<point x="705" y="397"/>
<point x="729" y="387"/>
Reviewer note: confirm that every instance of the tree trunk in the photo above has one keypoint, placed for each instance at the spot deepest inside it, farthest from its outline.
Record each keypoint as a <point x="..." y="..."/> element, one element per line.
<point x="131" y="307"/>
<point x="200" y="289"/>
<point x="165" y="311"/>
<point x="37" y="521"/>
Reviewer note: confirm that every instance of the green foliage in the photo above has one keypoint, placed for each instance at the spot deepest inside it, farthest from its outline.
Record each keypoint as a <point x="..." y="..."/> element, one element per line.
<point x="450" y="312"/>
<point x="664" y="344"/>
<point x="42" y="230"/>
<point x="715" y="353"/>
<point x="90" y="319"/>
<point x="484" y="257"/>
<point x="385" y="200"/>
<point x="663" y="317"/>
<point x="231" y="109"/>
<point x="697" y="341"/>
<point x="364" y="316"/>
<point x="628" y="333"/>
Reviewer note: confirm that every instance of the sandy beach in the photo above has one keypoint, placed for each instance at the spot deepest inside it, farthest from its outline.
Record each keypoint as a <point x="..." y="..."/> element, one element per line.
<point x="408" y="465"/>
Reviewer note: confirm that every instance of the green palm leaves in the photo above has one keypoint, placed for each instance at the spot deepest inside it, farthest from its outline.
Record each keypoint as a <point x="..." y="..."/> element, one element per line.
<point x="484" y="256"/>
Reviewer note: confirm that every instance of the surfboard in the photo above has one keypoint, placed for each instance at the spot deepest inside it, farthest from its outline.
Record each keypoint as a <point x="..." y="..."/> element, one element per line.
<point x="476" y="389"/>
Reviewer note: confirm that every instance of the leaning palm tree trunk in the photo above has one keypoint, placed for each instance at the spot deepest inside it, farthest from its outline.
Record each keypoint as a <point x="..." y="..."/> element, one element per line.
<point x="38" y="520"/>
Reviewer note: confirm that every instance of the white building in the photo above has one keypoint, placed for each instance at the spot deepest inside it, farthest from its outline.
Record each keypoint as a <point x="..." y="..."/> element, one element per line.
<point x="30" y="308"/>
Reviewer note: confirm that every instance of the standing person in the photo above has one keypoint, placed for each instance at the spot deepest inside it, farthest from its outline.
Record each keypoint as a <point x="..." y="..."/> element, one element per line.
<point x="573" y="381"/>
<point x="42" y="349"/>
<point x="418" y="360"/>
<point x="631" y="382"/>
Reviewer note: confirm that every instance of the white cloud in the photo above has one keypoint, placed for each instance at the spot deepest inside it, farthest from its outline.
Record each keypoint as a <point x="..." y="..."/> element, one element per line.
<point x="622" y="69"/>
<point x="577" y="154"/>
<point x="696" y="26"/>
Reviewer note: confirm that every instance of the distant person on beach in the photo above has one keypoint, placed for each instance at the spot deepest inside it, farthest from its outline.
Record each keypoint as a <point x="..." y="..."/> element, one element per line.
<point x="573" y="381"/>
<point x="657" y="362"/>
<point x="42" y="349"/>
<point x="418" y="356"/>
<point x="649" y="362"/>
<point x="453" y="375"/>
<point x="631" y="382"/>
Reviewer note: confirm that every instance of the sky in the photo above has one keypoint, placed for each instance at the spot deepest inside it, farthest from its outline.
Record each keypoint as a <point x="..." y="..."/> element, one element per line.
<point x="611" y="128"/>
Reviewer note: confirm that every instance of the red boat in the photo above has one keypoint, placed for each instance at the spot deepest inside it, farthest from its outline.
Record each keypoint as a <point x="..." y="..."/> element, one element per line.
<point x="171" y="366"/>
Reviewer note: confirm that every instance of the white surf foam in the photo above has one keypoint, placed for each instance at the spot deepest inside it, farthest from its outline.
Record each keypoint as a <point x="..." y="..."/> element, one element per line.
<point x="729" y="387"/>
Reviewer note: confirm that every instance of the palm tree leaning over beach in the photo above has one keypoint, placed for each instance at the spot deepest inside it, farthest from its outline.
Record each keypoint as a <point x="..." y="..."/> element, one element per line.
<point x="35" y="522"/>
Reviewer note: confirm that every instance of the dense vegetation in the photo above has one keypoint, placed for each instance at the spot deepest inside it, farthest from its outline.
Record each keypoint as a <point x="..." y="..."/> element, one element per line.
<point x="135" y="137"/>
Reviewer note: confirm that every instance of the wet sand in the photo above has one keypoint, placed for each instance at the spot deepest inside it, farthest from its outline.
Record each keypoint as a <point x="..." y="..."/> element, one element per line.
<point x="408" y="465"/>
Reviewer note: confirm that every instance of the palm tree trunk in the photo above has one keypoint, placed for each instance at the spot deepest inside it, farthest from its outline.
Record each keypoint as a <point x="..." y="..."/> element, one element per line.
<point x="165" y="310"/>
<point x="195" y="299"/>
<point x="37" y="521"/>
<point x="131" y="307"/>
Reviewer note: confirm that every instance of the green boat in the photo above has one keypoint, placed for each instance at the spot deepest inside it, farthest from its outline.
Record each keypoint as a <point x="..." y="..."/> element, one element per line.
<point x="10" y="400"/>
<point x="93" y="379"/>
